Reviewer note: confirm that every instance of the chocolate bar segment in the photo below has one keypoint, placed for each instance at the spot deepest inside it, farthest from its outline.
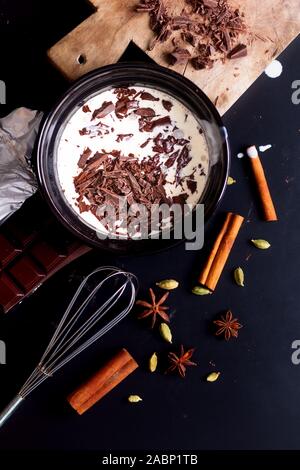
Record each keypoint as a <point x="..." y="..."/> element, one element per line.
<point x="7" y="251"/>
<point x="10" y="294"/>
<point x="33" y="246"/>
<point x="26" y="273"/>
<point x="21" y="233"/>
<point x="46" y="255"/>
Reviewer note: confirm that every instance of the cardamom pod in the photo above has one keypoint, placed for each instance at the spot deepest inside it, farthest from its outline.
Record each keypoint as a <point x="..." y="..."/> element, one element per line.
<point x="165" y="332"/>
<point x="213" y="376"/>
<point x="153" y="362"/>
<point x="230" y="181"/>
<point x="134" y="398"/>
<point x="239" y="276"/>
<point x="168" y="284"/>
<point x="198" y="290"/>
<point x="261" y="244"/>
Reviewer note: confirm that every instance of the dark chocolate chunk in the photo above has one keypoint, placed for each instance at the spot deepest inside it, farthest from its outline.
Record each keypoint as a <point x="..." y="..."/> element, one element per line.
<point x="86" y="109"/>
<point x="181" y="199"/>
<point x="45" y="255"/>
<point x="162" y="145"/>
<point x="227" y="40"/>
<point x="210" y="3"/>
<point x="179" y="56"/>
<point x="82" y="206"/>
<point x="84" y="131"/>
<point x="123" y="105"/>
<point x="84" y="157"/>
<point x="95" y="161"/>
<point x="10" y="294"/>
<point x="26" y="273"/>
<point x="198" y="63"/>
<point x="214" y="23"/>
<point x="145" y="112"/>
<point x="183" y="159"/>
<point x="7" y="251"/>
<point x="192" y="185"/>
<point x="171" y="160"/>
<point x="190" y="38"/>
<point x="238" y="51"/>
<point x="106" y="108"/>
<point x="167" y="105"/>
<point x="148" y="126"/>
<point x="145" y="143"/>
<point x="121" y="137"/>
<point x="148" y="97"/>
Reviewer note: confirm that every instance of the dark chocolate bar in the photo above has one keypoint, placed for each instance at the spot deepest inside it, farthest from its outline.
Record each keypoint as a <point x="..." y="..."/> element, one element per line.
<point x="33" y="246"/>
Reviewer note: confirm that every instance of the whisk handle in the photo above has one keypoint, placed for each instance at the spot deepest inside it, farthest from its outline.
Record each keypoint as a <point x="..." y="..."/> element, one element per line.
<point x="9" y="410"/>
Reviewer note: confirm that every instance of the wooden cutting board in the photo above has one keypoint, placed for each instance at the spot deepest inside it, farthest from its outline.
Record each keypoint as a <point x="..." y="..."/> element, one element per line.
<point x="103" y="37"/>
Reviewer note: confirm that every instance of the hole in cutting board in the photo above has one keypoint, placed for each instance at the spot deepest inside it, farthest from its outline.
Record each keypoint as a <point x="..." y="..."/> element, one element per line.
<point x="81" y="59"/>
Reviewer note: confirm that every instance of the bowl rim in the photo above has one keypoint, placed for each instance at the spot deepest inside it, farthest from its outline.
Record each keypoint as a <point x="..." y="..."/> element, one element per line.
<point x="46" y="129"/>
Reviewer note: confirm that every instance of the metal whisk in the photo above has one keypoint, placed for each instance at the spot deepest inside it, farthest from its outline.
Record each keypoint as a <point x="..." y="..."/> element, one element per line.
<point x="80" y="325"/>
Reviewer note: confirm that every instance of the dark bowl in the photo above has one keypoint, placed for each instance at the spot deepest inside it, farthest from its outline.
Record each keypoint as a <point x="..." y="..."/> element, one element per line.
<point x="122" y="75"/>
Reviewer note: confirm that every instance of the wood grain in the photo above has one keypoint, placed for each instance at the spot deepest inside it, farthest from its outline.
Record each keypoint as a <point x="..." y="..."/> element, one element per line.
<point x="102" y="38"/>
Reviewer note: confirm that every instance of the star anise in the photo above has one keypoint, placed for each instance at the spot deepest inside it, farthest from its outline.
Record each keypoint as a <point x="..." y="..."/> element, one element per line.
<point x="228" y="326"/>
<point x="180" y="362"/>
<point x="154" y="308"/>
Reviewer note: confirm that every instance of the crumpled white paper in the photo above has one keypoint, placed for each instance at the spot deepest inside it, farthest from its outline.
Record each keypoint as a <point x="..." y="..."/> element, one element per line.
<point x="18" y="132"/>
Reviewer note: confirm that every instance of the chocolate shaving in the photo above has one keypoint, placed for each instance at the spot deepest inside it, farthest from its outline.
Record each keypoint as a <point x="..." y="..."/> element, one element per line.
<point x="86" y="109"/>
<point x="167" y="105"/>
<point x="95" y="161"/>
<point x="183" y="159"/>
<point x="179" y="56"/>
<point x="198" y="63"/>
<point x="120" y="179"/>
<point x="145" y="112"/>
<point x="106" y="108"/>
<point x="192" y="185"/>
<point x="148" y="126"/>
<point x="123" y="106"/>
<point x="126" y="100"/>
<point x="162" y="145"/>
<point x="190" y="38"/>
<point x="83" y="207"/>
<point x="181" y="199"/>
<point x="148" y="97"/>
<point x="145" y="143"/>
<point x="84" y="131"/>
<point x="214" y="24"/>
<point x="121" y="137"/>
<point x="210" y="3"/>
<point x="171" y="160"/>
<point x="238" y="51"/>
<point x="84" y="157"/>
<point x="109" y="178"/>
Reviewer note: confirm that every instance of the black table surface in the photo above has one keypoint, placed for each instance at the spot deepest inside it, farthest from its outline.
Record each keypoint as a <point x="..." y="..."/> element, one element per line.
<point x="255" y="403"/>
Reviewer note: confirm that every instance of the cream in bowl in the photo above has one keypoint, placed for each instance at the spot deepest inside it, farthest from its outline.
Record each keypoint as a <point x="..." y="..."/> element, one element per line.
<point x="131" y="145"/>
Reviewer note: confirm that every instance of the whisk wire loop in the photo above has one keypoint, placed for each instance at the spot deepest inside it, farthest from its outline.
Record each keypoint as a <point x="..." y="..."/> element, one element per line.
<point x="71" y="335"/>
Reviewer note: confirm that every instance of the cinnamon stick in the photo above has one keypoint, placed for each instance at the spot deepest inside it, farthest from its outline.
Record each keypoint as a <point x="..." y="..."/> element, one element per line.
<point x="216" y="261"/>
<point x="262" y="185"/>
<point x="102" y="382"/>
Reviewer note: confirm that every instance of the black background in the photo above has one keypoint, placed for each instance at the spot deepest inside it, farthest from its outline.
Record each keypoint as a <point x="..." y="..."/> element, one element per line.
<point x="256" y="402"/>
